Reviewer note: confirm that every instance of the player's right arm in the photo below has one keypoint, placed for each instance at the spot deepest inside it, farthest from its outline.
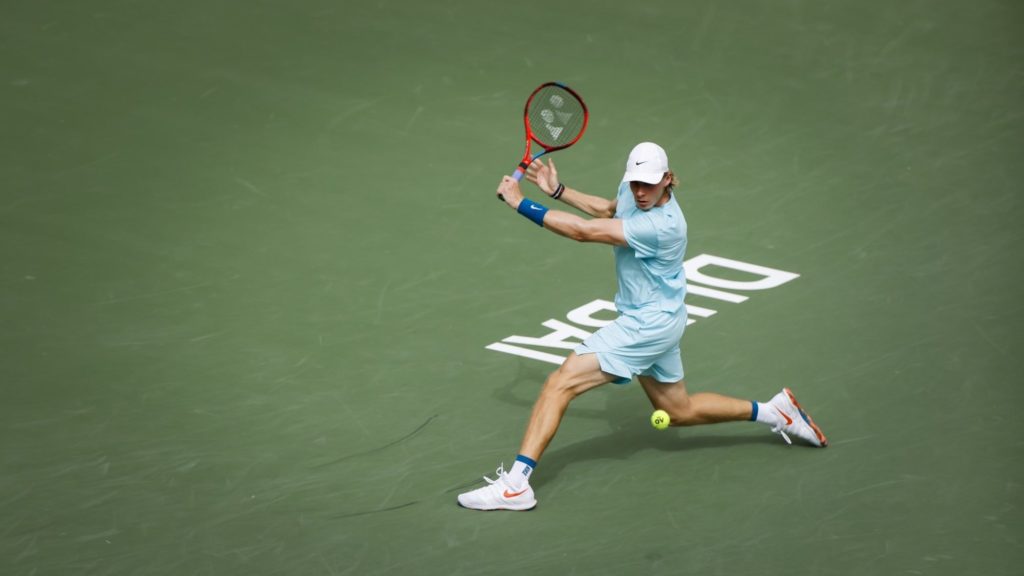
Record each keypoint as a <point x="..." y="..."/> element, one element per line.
<point x="545" y="176"/>
<point x="604" y="230"/>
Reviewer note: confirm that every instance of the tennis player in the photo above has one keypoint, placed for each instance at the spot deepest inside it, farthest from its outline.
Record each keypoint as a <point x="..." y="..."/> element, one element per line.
<point x="647" y="231"/>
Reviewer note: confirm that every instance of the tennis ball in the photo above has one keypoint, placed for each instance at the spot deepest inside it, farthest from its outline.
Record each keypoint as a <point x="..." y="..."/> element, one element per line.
<point x="660" y="419"/>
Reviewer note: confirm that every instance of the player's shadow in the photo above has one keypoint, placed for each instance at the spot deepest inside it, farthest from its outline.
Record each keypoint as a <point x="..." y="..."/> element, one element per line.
<point x="625" y="443"/>
<point x="624" y="407"/>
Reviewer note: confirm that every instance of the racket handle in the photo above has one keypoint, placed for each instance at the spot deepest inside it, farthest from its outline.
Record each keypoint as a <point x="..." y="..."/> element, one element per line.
<point x="517" y="175"/>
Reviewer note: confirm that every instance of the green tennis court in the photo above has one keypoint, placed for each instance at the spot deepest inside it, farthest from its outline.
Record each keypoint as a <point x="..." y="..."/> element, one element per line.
<point x="253" y="276"/>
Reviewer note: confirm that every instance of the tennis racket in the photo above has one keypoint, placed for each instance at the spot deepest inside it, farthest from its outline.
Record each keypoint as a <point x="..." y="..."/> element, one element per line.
<point x="555" y="118"/>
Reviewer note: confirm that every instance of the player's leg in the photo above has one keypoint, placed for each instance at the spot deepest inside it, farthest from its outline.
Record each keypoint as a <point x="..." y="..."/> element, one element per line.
<point x="577" y="375"/>
<point x="783" y="413"/>
<point x="511" y="490"/>
<point x="692" y="409"/>
<point x="663" y="383"/>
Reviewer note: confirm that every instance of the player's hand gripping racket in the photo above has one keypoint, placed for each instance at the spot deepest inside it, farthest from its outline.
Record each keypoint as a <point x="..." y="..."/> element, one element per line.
<point x="555" y="118"/>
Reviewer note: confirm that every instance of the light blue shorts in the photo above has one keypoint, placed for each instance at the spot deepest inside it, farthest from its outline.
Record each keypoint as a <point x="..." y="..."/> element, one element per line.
<point x="646" y="344"/>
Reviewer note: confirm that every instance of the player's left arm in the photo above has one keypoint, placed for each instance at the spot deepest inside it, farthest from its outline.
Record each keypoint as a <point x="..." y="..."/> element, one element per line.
<point x="602" y="230"/>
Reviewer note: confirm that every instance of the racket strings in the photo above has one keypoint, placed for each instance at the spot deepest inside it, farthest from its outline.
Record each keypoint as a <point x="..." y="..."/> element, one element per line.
<point x="556" y="116"/>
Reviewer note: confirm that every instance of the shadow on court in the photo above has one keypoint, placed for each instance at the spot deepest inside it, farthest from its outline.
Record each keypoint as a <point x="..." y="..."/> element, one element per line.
<point x="624" y="414"/>
<point x="622" y="445"/>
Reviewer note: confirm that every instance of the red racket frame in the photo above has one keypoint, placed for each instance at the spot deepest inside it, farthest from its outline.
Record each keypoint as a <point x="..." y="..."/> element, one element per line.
<point x="530" y="137"/>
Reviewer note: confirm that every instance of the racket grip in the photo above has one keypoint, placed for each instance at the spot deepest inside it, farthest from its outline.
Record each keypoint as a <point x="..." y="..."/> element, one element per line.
<point x="517" y="175"/>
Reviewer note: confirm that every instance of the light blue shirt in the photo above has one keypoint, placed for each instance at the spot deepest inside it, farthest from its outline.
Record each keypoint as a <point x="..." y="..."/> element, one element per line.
<point x="650" y="268"/>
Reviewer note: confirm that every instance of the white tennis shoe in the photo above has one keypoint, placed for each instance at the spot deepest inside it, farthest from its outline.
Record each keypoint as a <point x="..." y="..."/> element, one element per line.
<point x="793" y="420"/>
<point x="498" y="495"/>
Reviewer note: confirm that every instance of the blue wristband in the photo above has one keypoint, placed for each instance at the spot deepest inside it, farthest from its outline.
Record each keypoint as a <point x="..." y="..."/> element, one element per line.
<point x="533" y="211"/>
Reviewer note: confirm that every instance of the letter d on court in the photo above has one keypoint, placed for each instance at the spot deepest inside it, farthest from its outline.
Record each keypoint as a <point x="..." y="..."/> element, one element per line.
<point x="770" y="277"/>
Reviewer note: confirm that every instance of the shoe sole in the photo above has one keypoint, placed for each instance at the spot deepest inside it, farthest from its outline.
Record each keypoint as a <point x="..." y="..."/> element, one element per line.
<point x="531" y="508"/>
<point x="807" y="418"/>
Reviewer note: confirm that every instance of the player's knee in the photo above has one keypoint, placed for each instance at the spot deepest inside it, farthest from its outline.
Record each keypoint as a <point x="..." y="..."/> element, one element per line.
<point x="560" y="383"/>
<point x="683" y="414"/>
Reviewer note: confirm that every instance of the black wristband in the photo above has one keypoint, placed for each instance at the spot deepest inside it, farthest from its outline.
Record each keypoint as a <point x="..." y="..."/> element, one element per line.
<point x="558" y="191"/>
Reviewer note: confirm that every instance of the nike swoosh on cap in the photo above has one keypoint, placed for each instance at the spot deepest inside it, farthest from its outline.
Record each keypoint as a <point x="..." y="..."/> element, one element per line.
<point x="644" y="162"/>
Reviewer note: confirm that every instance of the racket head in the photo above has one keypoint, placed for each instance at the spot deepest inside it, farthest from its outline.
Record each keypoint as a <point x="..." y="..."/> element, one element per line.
<point x="555" y="116"/>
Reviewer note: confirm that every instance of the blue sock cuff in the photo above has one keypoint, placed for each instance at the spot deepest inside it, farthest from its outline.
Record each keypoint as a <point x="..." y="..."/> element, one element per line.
<point x="525" y="460"/>
<point x="753" y="414"/>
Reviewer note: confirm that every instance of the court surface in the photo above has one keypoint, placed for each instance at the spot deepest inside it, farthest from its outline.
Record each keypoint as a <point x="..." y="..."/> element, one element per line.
<point x="251" y="262"/>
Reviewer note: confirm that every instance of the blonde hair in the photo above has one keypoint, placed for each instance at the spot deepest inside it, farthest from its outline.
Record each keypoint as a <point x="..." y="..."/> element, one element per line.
<point x="675" y="181"/>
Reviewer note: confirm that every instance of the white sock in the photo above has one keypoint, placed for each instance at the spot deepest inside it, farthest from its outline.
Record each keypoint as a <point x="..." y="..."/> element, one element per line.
<point x="766" y="414"/>
<point x="519" y="475"/>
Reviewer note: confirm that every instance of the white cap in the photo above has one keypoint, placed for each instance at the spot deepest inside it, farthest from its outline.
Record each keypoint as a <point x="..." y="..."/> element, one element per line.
<point x="647" y="163"/>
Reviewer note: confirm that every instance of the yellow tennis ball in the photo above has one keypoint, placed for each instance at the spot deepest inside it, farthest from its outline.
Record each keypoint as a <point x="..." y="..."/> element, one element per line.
<point x="660" y="419"/>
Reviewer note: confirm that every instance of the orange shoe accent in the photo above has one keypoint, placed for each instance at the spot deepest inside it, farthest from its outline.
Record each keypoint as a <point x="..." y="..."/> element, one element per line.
<point x="789" y="421"/>
<point x="508" y="494"/>
<point x="817" y="431"/>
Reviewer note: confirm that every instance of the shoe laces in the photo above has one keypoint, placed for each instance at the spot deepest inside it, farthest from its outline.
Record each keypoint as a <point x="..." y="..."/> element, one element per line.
<point x="778" y="429"/>
<point x="499" y="473"/>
